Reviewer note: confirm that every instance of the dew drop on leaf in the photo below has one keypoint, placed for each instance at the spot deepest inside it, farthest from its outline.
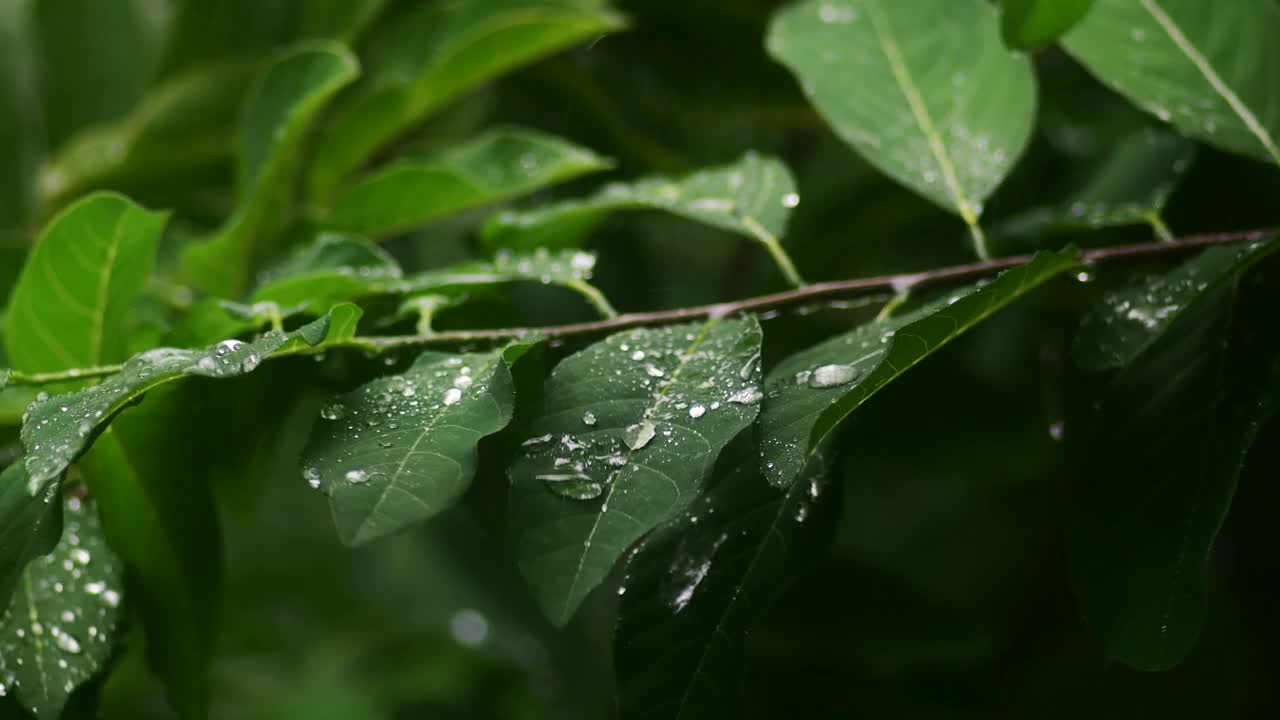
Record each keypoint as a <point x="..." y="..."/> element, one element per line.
<point x="357" y="476"/>
<point x="639" y="434"/>
<point x="826" y="376"/>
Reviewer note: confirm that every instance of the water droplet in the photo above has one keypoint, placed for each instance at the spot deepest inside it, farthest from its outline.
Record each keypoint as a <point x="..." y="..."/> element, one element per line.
<point x="654" y="371"/>
<point x="697" y="411"/>
<point x="357" y="476"/>
<point x="451" y="396"/>
<point x="312" y="476"/>
<point x="80" y="555"/>
<point x="638" y="435"/>
<point x="802" y="377"/>
<point x="790" y="200"/>
<point x="637" y="355"/>
<point x="827" y="376"/>
<point x="95" y="588"/>
<point x="588" y="418"/>
<point x="462" y="382"/>
<point x="1057" y="430"/>
<point x="749" y="395"/>
<point x="227" y="346"/>
<point x="66" y="643"/>
<point x="538" y="440"/>
<point x="111" y="598"/>
<point x="333" y="411"/>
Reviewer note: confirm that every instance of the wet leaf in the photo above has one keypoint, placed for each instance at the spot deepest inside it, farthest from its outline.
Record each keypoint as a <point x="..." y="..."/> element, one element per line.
<point x="811" y="392"/>
<point x="284" y="100"/>
<point x="59" y="630"/>
<point x="402" y="448"/>
<point x="629" y="431"/>
<point x="752" y="196"/>
<point x="437" y="52"/>
<point x="1129" y="321"/>
<point x="694" y="589"/>
<point x="74" y="296"/>
<point x="28" y="527"/>
<point x="1033" y="24"/>
<point x="61" y="427"/>
<point x="945" y="113"/>
<point x="1159" y="458"/>
<point x="1207" y="68"/>
<point x="496" y="166"/>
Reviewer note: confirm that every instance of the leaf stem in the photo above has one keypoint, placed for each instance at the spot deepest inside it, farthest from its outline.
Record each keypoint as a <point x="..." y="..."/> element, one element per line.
<point x="806" y="293"/>
<point x="592" y="295"/>
<point x="775" y="250"/>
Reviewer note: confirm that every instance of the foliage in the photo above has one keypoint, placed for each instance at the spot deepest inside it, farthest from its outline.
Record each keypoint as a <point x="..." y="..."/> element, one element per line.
<point x="904" y="356"/>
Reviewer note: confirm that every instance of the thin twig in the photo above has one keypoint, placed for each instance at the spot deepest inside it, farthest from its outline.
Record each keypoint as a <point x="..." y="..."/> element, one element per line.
<point x="805" y="294"/>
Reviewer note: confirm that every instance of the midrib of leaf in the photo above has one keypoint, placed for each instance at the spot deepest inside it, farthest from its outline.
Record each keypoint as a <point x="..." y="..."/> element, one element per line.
<point x="893" y="54"/>
<point x="1215" y="81"/>
<point x="104" y="285"/>
<point x="426" y="430"/>
<point x="659" y="398"/>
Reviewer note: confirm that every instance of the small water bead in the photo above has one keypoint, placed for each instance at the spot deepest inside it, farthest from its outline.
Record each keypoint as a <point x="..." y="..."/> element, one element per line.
<point x="749" y="395"/>
<point x="537" y="440"/>
<point x="312" y="476"/>
<point x="802" y="377"/>
<point x="654" y="371"/>
<point x="111" y="598"/>
<point x="462" y="382"/>
<point x="826" y="376"/>
<point x="227" y="346"/>
<point x="790" y="200"/>
<point x="95" y="588"/>
<point x="333" y="411"/>
<point x="697" y="411"/>
<point x="357" y="476"/>
<point x="588" y="418"/>
<point x="451" y="396"/>
<point x="66" y="643"/>
<point x="637" y="355"/>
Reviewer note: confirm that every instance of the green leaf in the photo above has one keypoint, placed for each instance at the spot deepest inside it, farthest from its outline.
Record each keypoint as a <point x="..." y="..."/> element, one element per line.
<point x="1207" y="68"/>
<point x="751" y="196"/>
<point x="331" y="269"/>
<point x="72" y="302"/>
<point x="95" y="60"/>
<point x="496" y="166"/>
<point x="630" y="428"/>
<point x="1129" y="186"/>
<point x="29" y="527"/>
<point x="55" y="436"/>
<point x="924" y="90"/>
<point x="402" y="448"/>
<point x="179" y="129"/>
<point x="567" y="268"/>
<point x="21" y="140"/>
<point x="436" y="53"/>
<point x="338" y="19"/>
<point x="1033" y="24"/>
<point x="810" y="393"/>
<point x="60" y="628"/>
<point x="1159" y="459"/>
<point x="282" y="103"/>
<point x="1129" y="321"/>
<point x="694" y="589"/>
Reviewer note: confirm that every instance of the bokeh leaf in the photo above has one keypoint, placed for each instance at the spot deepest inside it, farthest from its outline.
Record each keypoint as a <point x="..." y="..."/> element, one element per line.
<point x="331" y="269"/>
<point x="59" y="630"/>
<point x="1129" y="186"/>
<point x="1207" y="68"/>
<point x="1033" y="24"/>
<point x="402" y="448"/>
<point x="924" y="90"/>
<point x="435" y="53"/>
<point x="71" y="304"/>
<point x="630" y="429"/>
<point x="177" y="130"/>
<point x="496" y="166"/>
<point x="1159" y="458"/>
<point x="808" y="394"/>
<point x="281" y="106"/>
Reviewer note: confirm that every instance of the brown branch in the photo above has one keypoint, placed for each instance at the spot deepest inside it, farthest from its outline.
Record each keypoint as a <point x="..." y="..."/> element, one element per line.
<point x="815" y="292"/>
<point x="806" y="294"/>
